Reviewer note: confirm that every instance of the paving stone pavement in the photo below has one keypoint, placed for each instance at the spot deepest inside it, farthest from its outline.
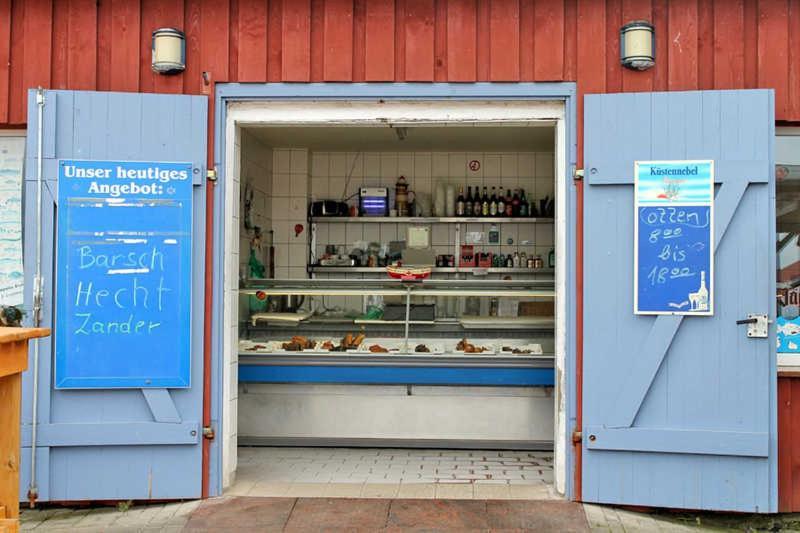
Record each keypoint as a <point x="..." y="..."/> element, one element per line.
<point x="166" y="517"/>
<point x="312" y="514"/>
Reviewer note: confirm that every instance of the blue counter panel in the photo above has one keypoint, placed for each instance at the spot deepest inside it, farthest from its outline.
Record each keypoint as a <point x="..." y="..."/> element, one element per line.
<point x="396" y="375"/>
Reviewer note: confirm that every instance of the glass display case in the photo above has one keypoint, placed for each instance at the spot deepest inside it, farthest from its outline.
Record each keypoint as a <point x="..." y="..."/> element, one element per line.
<point x="496" y="323"/>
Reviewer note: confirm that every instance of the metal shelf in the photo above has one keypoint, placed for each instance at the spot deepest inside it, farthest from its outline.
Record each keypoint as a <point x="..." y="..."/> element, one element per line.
<point x="390" y="287"/>
<point x="444" y="270"/>
<point x="432" y="220"/>
<point x="265" y="358"/>
<point x="513" y="293"/>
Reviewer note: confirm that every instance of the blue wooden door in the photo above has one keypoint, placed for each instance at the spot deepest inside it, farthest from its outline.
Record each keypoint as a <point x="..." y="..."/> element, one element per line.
<point x="100" y="443"/>
<point x="680" y="411"/>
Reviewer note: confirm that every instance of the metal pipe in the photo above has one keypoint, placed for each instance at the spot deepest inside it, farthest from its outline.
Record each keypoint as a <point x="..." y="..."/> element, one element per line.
<point x="408" y="317"/>
<point x="208" y="297"/>
<point x="33" y="490"/>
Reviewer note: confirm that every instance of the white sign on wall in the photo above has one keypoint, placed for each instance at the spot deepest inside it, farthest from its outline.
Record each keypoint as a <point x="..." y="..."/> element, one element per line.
<point x="12" y="155"/>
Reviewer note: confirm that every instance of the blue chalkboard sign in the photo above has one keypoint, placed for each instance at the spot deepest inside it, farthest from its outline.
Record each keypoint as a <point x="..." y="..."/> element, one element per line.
<point x="123" y="309"/>
<point x="674" y="232"/>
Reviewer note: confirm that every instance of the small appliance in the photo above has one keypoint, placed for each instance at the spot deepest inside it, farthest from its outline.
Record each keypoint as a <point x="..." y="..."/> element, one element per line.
<point x="328" y="208"/>
<point x="373" y="201"/>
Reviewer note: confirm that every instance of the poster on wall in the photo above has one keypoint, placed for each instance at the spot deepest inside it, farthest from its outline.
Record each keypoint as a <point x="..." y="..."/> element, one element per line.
<point x="674" y="238"/>
<point x="12" y="155"/>
<point x="123" y="309"/>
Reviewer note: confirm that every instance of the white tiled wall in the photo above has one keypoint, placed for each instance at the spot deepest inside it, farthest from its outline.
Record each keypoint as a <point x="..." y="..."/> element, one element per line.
<point x="252" y="167"/>
<point x="285" y="180"/>
<point x="532" y="171"/>
<point x="289" y="207"/>
<point x="256" y="175"/>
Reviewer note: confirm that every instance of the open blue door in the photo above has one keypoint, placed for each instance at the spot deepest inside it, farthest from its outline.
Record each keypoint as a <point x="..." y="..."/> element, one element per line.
<point x="680" y="410"/>
<point x="120" y="381"/>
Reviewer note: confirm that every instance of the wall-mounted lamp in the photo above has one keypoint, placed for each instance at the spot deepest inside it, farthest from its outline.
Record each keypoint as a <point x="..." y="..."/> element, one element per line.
<point x="169" y="51"/>
<point x="637" y="46"/>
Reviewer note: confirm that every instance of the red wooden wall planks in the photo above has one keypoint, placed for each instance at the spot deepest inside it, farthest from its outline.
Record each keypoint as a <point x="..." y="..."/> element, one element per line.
<point x="788" y="450"/>
<point x="105" y="44"/>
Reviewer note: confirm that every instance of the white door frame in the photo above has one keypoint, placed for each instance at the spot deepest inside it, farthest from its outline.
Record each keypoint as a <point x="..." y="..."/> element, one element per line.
<point x="553" y="103"/>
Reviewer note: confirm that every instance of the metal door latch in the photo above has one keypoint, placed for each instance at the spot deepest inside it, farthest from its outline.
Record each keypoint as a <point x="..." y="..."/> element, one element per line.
<point x="757" y="325"/>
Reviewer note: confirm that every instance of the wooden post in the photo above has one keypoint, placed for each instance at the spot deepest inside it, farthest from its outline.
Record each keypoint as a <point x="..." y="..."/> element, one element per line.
<point x="13" y="361"/>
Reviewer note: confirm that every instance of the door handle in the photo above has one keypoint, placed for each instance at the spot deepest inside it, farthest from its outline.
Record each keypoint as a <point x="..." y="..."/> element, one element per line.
<point x="757" y="325"/>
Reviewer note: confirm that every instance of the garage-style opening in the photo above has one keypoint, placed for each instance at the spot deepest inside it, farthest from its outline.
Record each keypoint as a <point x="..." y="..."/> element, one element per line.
<point x="393" y="304"/>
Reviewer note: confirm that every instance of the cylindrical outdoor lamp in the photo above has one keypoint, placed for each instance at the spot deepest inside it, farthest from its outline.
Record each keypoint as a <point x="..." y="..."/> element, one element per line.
<point x="637" y="47"/>
<point x="169" y="51"/>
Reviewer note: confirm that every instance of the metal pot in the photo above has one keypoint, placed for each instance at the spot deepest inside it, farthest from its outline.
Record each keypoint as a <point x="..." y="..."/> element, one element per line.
<point x="289" y="303"/>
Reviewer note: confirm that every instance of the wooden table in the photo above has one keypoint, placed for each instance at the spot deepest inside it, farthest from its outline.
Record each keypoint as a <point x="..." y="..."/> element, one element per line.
<point x="13" y="361"/>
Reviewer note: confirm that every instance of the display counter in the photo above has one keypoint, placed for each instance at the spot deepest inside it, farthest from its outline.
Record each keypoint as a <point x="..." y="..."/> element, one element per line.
<point x="313" y="344"/>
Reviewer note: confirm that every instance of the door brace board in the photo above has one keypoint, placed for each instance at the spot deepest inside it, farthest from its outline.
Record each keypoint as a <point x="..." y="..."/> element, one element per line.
<point x="730" y="443"/>
<point x="638" y="381"/>
<point x="112" y="434"/>
<point x="161" y="405"/>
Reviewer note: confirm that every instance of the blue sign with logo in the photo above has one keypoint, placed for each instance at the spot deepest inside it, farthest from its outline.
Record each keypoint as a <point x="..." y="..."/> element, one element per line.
<point x="123" y="309"/>
<point x="674" y="232"/>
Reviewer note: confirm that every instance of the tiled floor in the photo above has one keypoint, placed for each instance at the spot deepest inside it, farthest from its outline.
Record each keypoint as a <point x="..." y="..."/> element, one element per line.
<point x="393" y="473"/>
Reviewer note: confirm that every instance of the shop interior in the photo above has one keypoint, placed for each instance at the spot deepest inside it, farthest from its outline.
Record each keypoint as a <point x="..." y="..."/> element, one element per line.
<point x="396" y="288"/>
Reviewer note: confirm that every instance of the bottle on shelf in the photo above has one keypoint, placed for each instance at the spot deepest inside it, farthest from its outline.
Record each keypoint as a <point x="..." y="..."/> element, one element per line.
<point x="509" y="261"/>
<point x="509" y="205"/>
<point x="450" y="201"/>
<point x="532" y="211"/>
<point x="468" y="203"/>
<point x="439" y="201"/>
<point x="485" y="203"/>
<point x="501" y="204"/>
<point x="460" y="202"/>
<point x="493" y="203"/>
<point x="551" y="258"/>
<point x="515" y="203"/>
<point x="477" y="205"/>
<point x="523" y="204"/>
<point x="516" y="260"/>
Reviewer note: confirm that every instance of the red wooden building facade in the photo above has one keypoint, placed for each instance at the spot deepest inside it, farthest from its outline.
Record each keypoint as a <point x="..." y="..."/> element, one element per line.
<point x="104" y="45"/>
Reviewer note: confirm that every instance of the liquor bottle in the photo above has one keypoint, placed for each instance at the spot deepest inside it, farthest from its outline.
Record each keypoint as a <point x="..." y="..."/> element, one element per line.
<point x="477" y="205"/>
<point x="501" y="204"/>
<point x="523" y="204"/>
<point x="485" y="203"/>
<point x="509" y="206"/>
<point x="468" y="203"/>
<point x="700" y="302"/>
<point x="515" y="203"/>
<point x="509" y="261"/>
<point x="460" y="202"/>
<point x="493" y="203"/>
<point x="532" y="211"/>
